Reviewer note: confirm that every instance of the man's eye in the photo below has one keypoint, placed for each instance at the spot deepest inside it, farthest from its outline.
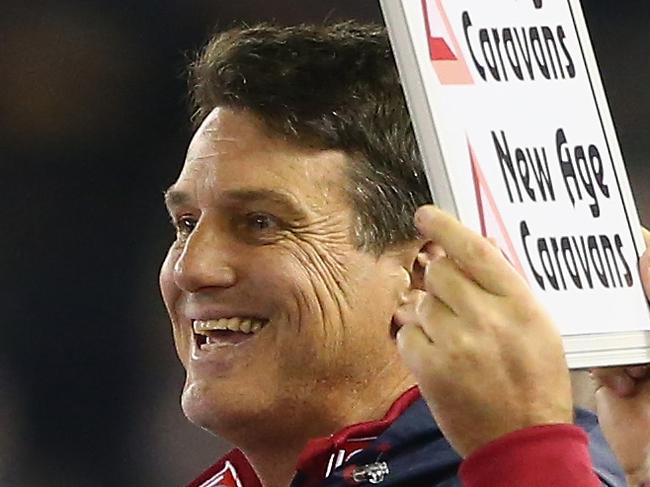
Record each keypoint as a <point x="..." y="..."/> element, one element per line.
<point x="261" y="221"/>
<point x="185" y="225"/>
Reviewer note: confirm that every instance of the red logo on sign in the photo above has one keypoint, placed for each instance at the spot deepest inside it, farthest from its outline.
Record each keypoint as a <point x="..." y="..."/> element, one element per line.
<point x="445" y="53"/>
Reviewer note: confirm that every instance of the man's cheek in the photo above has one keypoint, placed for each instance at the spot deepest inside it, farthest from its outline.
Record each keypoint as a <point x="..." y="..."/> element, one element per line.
<point x="181" y="342"/>
<point x="325" y="256"/>
<point x="170" y="295"/>
<point x="168" y="288"/>
<point x="311" y="286"/>
<point x="305" y="274"/>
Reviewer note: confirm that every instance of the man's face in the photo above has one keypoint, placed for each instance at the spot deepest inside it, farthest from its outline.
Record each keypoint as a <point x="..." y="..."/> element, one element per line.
<point x="274" y="310"/>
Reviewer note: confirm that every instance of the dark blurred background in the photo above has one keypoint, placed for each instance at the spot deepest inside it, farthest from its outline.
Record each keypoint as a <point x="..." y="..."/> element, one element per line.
<point x="93" y="127"/>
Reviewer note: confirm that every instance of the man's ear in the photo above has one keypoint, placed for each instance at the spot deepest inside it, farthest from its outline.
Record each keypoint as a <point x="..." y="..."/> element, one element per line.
<point x="417" y="268"/>
<point x="408" y="258"/>
<point x="413" y="261"/>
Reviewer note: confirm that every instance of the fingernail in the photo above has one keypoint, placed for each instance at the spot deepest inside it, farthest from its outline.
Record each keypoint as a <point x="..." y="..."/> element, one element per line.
<point x="423" y="215"/>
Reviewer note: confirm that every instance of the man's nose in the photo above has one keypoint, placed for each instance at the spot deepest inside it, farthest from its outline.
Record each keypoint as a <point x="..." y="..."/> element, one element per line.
<point x="205" y="260"/>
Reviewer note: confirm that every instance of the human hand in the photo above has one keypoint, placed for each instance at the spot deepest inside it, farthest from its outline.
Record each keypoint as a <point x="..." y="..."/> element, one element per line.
<point x="488" y="359"/>
<point x="623" y="404"/>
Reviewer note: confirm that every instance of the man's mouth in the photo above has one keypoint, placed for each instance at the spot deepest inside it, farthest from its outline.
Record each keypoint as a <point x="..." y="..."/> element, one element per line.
<point x="225" y="331"/>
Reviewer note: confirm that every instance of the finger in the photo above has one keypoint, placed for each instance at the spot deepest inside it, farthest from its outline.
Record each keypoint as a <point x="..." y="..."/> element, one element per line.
<point x="644" y="264"/>
<point x="615" y="379"/>
<point x="454" y="288"/>
<point x="415" y="348"/>
<point x="475" y="255"/>
<point x="637" y="371"/>
<point x="433" y="316"/>
<point x="406" y="313"/>
<point x="430" y="251"/>
<point x="646" y="236"/>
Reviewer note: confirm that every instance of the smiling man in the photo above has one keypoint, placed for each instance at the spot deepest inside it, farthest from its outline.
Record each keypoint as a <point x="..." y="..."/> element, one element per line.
<point x="275" y="309"/>
<point x="295" y="248"/>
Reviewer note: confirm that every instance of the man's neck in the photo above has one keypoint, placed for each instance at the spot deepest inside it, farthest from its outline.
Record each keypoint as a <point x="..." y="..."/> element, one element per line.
<point x="274" y="467"/>
<point x="274" y="457"/>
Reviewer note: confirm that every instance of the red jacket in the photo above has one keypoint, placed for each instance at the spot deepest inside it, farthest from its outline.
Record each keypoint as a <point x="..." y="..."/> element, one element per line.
<point x="406" y="448"/>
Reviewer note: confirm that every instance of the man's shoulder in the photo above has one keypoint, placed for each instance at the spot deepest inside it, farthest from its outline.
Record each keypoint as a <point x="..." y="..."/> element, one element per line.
<point x="413" y="452"/>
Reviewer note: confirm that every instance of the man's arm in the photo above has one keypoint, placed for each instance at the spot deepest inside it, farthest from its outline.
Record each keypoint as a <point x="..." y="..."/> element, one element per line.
<point x="490" y="363"/>
<point x="538" y="456"/>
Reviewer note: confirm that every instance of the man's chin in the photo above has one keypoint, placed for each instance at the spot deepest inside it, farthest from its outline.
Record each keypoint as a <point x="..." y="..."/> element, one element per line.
<point x="218" y="412"/>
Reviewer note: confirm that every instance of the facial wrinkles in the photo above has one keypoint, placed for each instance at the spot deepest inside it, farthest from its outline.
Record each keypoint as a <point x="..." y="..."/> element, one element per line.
<point x="320" y="247"/>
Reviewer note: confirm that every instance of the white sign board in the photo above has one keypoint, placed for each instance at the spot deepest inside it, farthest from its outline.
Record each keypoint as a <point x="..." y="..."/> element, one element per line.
<point x="513" y="124"/>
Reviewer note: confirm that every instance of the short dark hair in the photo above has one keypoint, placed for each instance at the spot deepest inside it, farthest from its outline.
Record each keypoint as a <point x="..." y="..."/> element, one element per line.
<point x="332" y="87"/>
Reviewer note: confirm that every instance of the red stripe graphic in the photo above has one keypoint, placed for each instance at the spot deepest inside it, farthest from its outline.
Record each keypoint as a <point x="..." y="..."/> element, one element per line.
<point x="439" y="50"/>
<point x="482" y="189"/>
<point x="444" y="51"/>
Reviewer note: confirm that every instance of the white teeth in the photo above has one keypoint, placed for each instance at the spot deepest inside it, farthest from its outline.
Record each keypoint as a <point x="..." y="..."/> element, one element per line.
<point x="245" y="326"/>
<point x="242" y="325"/>
<point x="209" y="325"/>
<point x="233" y="324"/>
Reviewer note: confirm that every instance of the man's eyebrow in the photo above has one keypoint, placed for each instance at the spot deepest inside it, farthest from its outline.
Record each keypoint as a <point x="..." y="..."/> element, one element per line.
<point x="175" y="198"/>
<point x="286" y="202"/>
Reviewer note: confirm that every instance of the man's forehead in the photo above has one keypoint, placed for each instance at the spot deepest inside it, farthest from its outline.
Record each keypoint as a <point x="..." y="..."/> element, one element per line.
<point x="231" y="149"/>
<point x="210" y="138"/>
